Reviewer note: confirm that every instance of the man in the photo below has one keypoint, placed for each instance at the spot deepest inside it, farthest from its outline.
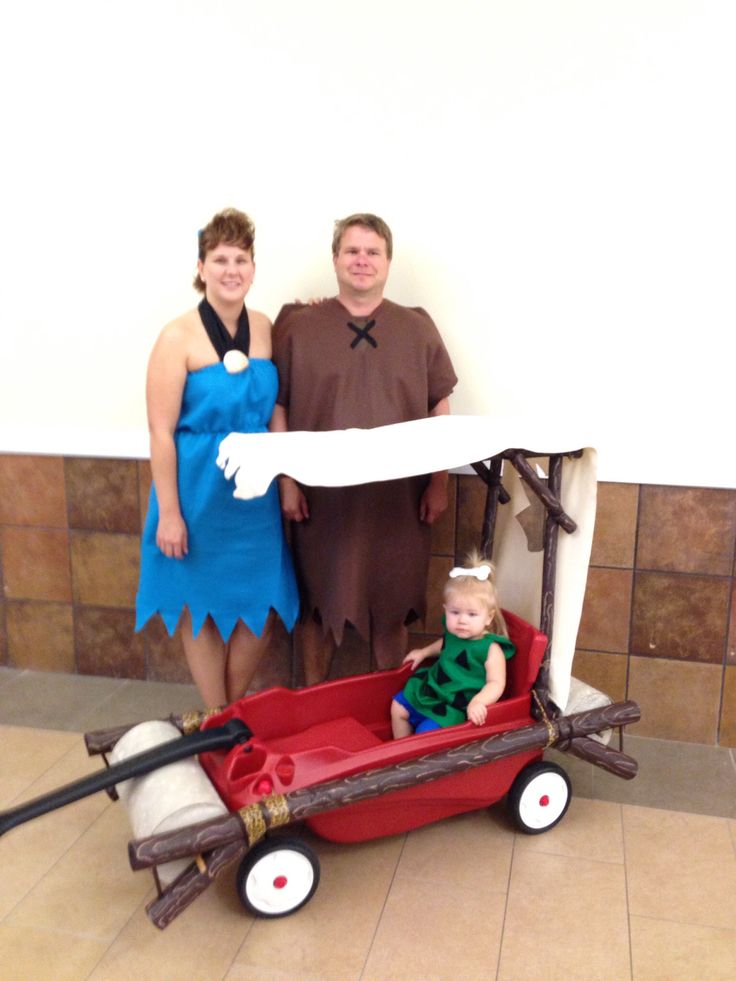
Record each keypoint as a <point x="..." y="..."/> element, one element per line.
<point x="358" y="360"/>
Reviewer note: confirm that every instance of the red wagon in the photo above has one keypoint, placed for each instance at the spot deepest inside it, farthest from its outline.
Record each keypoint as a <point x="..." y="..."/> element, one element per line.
<point x="325" y="756"/>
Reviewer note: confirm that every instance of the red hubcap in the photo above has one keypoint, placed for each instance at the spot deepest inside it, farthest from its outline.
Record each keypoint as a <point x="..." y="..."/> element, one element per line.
<point x="279" y="882"/>
<point x="544" y="801"/>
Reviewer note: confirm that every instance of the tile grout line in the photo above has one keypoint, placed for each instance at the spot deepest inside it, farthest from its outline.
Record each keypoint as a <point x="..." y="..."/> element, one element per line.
<point x="383" y="906"/>
<point x="626" y="890"/>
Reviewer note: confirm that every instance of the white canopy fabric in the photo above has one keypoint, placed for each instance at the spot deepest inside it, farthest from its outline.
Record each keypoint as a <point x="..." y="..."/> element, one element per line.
<point x="355" y="456"/>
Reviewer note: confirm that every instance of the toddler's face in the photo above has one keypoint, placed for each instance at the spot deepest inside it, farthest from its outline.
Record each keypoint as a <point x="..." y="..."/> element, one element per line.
<point x="467" y="617"/>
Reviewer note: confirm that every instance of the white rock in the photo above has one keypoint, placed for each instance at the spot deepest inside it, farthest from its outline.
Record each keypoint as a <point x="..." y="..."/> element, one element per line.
<point x="235" y="361"/>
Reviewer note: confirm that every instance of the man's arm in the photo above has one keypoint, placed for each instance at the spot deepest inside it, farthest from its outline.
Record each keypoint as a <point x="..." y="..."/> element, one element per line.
<point x="434" y="498"/>
<point x="293" y="502"/>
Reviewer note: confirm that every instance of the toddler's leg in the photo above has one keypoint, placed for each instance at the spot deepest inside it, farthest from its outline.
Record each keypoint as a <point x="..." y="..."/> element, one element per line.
<point x="399" y="720"/>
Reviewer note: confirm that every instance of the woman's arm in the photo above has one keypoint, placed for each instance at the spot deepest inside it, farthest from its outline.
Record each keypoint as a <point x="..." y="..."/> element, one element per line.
<point x="493" y="688"/>
<point x="167" y="372"/>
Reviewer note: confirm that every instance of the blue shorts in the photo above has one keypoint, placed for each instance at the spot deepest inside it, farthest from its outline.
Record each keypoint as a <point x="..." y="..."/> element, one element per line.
<point x="418" y="722"/>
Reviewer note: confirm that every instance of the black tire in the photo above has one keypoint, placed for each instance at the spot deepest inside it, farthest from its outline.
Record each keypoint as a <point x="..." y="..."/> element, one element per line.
<point x="277" y="877"/>
<point x="539" y="797"/>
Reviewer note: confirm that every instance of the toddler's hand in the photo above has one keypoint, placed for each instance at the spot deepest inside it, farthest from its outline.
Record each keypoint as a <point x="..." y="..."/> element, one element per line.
<point x="477" y="713"/>
<point x="414" y="658"/>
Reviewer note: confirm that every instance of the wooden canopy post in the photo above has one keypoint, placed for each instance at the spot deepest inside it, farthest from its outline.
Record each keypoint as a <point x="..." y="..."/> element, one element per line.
<point x="495" y="493"/>
<point x="548" y="492"/>
<point x="549" y="574"/>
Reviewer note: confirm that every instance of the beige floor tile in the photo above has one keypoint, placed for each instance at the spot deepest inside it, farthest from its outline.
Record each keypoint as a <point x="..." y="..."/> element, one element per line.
<point x="590" y="829"/>
<point x="91" y="890"/>
<point x="329" y="937"/>
<point x="30" y="850"/>
<point x="428" y="933"/>
<point x="139" y="701"/>
<point x="200" y="943"/>
<point x="26" y="755"/>
<point x="665" y="951"/>
<point x="35" y="954"/>
<point x="674" y="776"/>
<point x="453" y="852"/>
<point x="680" y="866"/>
<point x="50" y="700"/>
<point x="248" y="972"/>
<point x="566" y="919"/>
<point x="68" y="871"/>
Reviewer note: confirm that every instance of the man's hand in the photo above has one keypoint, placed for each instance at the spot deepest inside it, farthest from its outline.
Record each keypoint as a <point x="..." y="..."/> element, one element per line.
<point x="434" y="499"/>
<point x="293" y="502"/>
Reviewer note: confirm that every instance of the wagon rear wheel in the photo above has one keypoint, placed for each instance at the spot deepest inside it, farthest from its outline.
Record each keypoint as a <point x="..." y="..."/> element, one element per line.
<point x="277" y="877"/>
<point x="539" y="797"/>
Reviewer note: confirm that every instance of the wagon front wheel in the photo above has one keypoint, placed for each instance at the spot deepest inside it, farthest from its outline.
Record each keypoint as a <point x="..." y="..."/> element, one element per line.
<point x="539" y="797"/>
<point x="277" y="877"/>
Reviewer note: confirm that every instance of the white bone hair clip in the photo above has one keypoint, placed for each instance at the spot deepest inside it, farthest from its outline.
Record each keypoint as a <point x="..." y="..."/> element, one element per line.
<point x="479" y="572"/>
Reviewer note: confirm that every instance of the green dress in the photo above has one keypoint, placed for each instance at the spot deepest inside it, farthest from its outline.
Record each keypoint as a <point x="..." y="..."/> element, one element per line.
<point x="443" y="690"/>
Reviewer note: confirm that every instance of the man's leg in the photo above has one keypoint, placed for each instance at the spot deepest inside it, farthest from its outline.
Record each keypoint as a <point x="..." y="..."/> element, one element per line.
<point x="388" y="645"/>
<point x="317" y="651"/>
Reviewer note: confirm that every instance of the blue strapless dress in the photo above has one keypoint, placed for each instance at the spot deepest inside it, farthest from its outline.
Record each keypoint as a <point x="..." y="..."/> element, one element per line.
<point x="238" y="566"/>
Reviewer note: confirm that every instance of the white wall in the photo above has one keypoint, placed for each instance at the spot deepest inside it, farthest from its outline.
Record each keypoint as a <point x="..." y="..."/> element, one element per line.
<point x="558" y="176"/>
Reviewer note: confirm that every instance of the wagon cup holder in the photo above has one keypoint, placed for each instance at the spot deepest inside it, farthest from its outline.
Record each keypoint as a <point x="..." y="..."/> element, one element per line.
<point x="249" y="769"/>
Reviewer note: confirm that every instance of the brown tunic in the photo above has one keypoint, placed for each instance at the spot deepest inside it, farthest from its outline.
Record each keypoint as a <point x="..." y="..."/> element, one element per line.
<point x="363" y="555"/>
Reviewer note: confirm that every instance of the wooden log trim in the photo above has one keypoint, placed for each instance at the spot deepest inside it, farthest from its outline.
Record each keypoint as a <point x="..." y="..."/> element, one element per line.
<point x="191" y="883"/>
<point x="252" y="822"/>
<point x="223" y="840"/>
<point x="102" y="741"/>
<point x="550" y="500"/>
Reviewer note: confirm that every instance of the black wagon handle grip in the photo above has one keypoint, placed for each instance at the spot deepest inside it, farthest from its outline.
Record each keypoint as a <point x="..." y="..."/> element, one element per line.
<point x="219" y="737"/>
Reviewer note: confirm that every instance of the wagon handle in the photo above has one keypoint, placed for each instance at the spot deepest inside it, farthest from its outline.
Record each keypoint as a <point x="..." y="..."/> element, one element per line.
<point x="221" y="737"/>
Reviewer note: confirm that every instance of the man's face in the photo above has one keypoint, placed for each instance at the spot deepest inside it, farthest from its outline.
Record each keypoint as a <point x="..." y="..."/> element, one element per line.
<point x="361" y="264"/>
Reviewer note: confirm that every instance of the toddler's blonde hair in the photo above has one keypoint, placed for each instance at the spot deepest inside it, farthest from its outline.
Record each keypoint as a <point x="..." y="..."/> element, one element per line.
<point x="482" y="590"/>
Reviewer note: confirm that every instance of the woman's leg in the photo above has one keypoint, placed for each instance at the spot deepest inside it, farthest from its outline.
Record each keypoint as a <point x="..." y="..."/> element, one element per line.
<point x="205" y="656"/>
<point x="244" y="652"/>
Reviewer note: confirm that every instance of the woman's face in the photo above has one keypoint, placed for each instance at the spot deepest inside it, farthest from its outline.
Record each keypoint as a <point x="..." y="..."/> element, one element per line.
<point x="227" y="272"/>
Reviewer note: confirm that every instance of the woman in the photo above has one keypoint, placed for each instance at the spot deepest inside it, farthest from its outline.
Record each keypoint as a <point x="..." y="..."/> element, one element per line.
<point x="218" y="564"/>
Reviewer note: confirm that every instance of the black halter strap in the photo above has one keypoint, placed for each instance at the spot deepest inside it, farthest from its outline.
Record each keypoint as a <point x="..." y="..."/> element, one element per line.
<point x="362" y="333"/>
<point x="218" y="333"/>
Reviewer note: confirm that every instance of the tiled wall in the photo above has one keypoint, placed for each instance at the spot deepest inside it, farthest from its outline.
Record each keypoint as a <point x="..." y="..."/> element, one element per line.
<point x="659" y="622"/>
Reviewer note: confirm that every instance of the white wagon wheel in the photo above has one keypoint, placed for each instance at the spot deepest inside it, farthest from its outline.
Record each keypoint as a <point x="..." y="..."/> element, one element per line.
<point x="277" y="877"/>
<point x="539" y="797"/>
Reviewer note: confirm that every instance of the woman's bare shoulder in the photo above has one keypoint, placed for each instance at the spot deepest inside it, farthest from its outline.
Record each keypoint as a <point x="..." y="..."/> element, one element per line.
<point x="260" y="334"/>
<point x="180" y="331"/>
<point x="184" y="325"/>
<point x="258" y="320"/>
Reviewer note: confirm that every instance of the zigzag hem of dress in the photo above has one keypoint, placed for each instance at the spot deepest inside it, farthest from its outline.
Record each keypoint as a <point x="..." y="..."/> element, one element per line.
<point x="225" y="621"/>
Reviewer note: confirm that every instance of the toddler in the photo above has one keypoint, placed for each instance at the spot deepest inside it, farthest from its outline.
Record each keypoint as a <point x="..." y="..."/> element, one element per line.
<point x="470" y="673"/>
